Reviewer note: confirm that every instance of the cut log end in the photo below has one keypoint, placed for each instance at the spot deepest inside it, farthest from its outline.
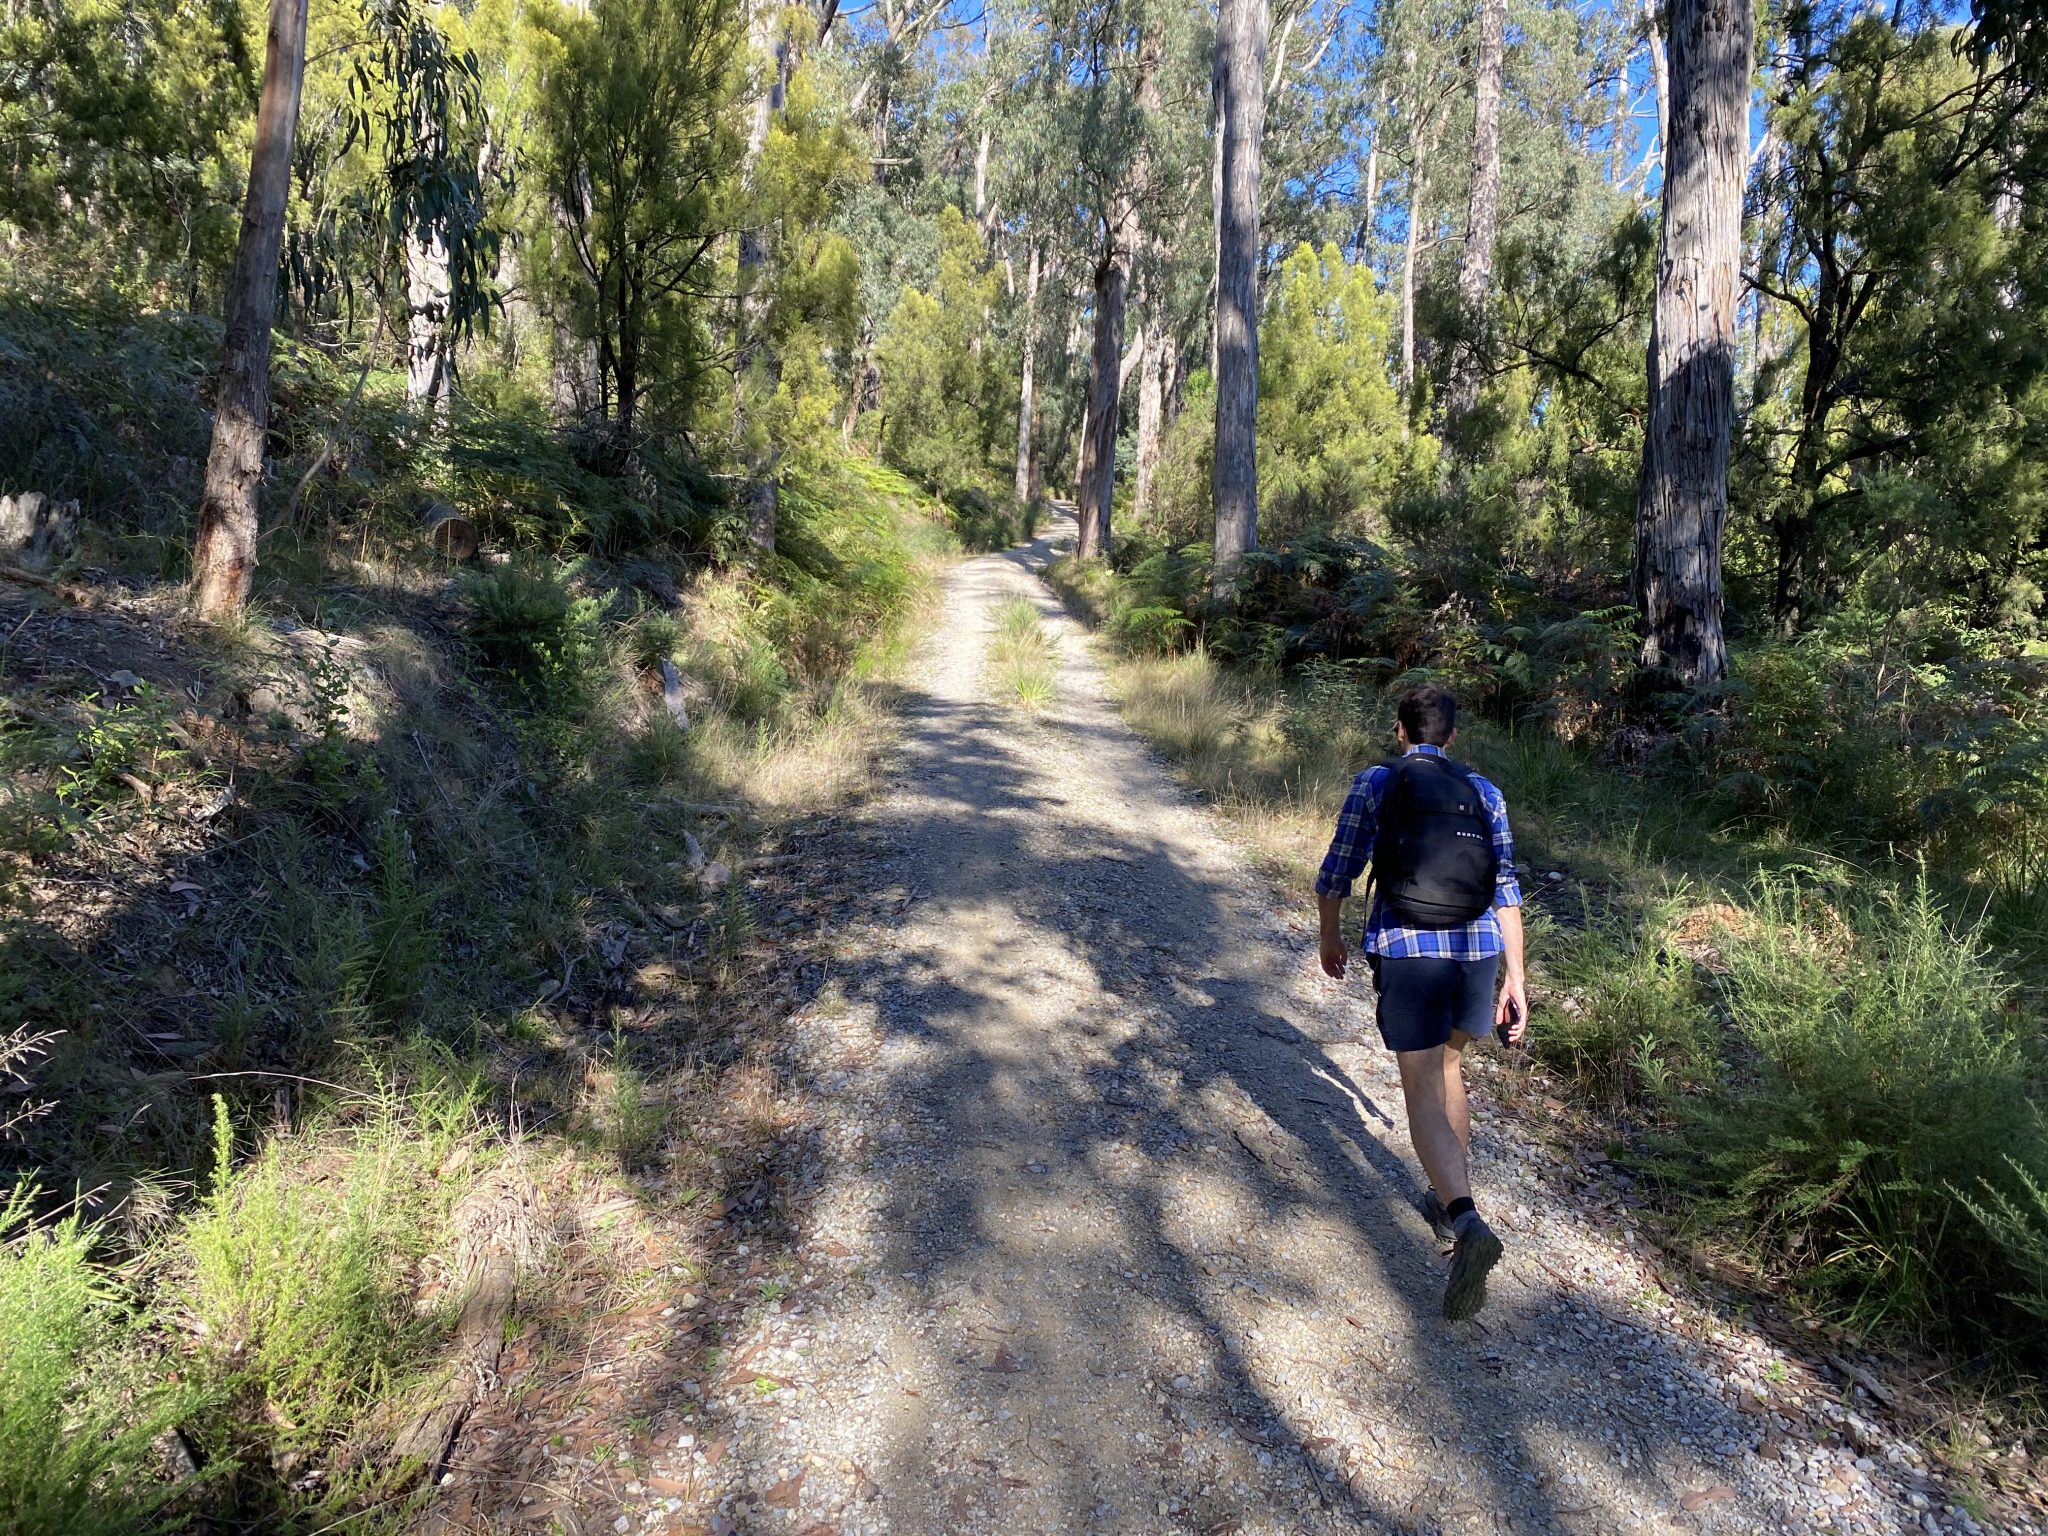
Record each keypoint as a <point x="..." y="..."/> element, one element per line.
<point x="453" y="534"/>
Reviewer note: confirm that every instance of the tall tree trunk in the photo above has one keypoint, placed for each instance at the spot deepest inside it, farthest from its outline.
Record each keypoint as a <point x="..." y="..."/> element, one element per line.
<point x="626" y="363"/>
<point x="1241" y="78"/>
<point x="756" y="368"/>
<point x="1683" y="505"/>
<point x="428" y="291"/>
<point x="1418" y="198"/>
<point x="981" y="210"/>
<point x="1369" y="207"/>
<point x="1619" y="140"/>
<point x="1112" y="284"/>
<point x="1151" y="414"/>
<point x="1098" y="435"/>
<point x="1027" y="396"/>
<point x="575" y="369"/>
<point x="1219" y="128"/>
<point x="1081" y="448"/>
<point x="1482" y="219"/>
<point x="1172" y="385"/>
<point x="224" y="549"/>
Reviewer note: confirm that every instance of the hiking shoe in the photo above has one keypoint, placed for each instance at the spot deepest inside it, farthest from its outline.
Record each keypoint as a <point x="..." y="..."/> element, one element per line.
<point x="1439" y="1219"/>
<point x="1477" y="1251"/>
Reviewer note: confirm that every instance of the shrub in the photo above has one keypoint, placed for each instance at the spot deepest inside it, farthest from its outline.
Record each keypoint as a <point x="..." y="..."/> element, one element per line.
<point x="78" y="1422"/>
<point x="1883" y="1082"/>
<point x="298" y="1269"/>
<point x="1629" y="1020"/>
<point x="529" y="623"/>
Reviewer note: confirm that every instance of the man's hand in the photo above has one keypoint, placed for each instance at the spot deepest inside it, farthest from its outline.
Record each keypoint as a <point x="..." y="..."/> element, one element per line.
<point x="1511" y="1016"/>
<point x="1330" y="924"/>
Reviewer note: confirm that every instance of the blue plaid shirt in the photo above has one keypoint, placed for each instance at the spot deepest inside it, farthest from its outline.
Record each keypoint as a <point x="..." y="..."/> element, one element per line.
<point x="1351" y="850"/>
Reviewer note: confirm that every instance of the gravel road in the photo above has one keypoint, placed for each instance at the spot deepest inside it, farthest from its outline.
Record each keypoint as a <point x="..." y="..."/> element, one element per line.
<point x="1113" y="1231"/>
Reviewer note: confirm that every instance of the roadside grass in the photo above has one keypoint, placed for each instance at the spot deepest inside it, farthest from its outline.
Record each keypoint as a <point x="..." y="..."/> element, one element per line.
<point x="307" y="927"/>
<point x="1821" y="1063"/>
<point x="1021" y="664"/>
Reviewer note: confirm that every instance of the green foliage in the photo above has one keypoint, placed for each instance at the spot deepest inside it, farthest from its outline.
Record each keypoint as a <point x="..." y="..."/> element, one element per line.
<point x="120" y="128"/>
<point x="301" y="1286"/>
<point x="637" y="148"/>
<point x="1913" y="735"/>
<point x="942" y="410"/>
<point x="1630" y="1022"/>
<point x="1890" y="1085"/>
<point x="1893" y="445"/>
<point x="127" y="739"/>
<point x="1332" y="446"/>
<point x="2013" y="1211"/>
<point x="75" y="1439"/>
<point x="528" y="622"/>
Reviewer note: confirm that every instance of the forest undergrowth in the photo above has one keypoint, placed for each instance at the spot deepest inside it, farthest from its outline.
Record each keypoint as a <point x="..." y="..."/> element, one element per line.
<point x="1787" y="948"/>
<point x="358" y="946"/>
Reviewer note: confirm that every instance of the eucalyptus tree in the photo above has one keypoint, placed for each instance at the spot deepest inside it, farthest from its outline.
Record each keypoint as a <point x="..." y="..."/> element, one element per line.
<point x="411" y="102"/>
<point x="224" y="548"/>
<point x="1482" y="220"/>
<point x="1120" y="53"/>
<point x="1240" y="128"/>
<point x="1682" y="511"/>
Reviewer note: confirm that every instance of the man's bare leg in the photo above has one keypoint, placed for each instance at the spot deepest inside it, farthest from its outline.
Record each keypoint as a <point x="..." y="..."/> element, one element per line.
<point x="1455" y="1108"/>
<point x="1439" y="1122"/>
<point x="1438" y="1130"/>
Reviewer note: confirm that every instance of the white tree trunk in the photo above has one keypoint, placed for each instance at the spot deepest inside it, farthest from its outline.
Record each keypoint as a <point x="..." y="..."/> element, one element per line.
<point x="1241" y="74"/>
<point x="1418" y="198"/>
<point x="1112" y="284"/>
<point x="426" y="320"/>
<point x="1482" y="220"/>
<point x="1027" y="399"/>
<point x="1660" y="83"/>
<point x="1151" y="417"/>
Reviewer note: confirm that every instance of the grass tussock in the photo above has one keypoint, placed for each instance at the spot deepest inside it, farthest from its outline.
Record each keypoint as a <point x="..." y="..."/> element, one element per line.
<point x="1023" y="667"/>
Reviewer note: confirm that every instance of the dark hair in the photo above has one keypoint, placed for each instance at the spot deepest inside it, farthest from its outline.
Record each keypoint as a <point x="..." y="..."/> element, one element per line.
<point x="1429" y="715"/>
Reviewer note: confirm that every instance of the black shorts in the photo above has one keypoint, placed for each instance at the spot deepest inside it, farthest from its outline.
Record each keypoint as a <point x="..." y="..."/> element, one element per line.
<point x="1422" y="1000"/>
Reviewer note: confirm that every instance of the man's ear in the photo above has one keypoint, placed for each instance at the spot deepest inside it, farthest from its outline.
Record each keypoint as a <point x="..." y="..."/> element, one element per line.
<point x="1450" y="738"/>
<point x="1401" y="735"/>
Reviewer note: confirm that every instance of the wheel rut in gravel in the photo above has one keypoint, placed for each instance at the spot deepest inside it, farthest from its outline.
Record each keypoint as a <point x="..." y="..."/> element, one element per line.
<point x="1127" y="1209"/>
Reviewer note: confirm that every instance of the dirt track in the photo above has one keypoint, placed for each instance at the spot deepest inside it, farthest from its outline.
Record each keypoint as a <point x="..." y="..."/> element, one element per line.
<point x="1119" y="1211"/>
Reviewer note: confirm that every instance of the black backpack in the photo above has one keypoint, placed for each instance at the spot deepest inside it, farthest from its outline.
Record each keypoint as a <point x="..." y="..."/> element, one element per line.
<point x="1432" y="857"/>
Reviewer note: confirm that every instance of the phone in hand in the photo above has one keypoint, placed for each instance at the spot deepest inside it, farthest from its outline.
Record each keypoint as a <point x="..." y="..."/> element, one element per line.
<point x="1514" y="1018"/>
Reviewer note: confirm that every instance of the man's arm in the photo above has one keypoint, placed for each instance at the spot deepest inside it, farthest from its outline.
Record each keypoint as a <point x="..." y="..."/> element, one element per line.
<point x="1349" y="850"/>
<point x="1512" y="1014"/>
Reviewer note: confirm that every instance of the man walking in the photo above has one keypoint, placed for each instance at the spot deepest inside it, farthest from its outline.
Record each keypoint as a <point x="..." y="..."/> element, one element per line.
<point x="1446" y="922"/>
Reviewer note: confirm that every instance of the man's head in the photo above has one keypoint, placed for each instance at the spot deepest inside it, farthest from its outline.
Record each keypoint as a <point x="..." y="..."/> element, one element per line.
<point x="1428" y="716"/>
